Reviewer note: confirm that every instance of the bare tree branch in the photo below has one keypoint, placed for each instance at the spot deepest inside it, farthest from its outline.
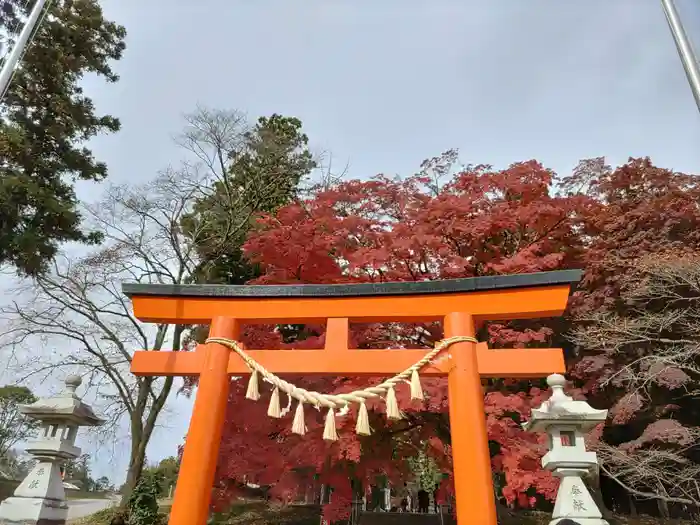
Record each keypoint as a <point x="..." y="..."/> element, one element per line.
<point x="168" y="231"/>
<point x="648" y="358"/>
<point x="79" y="305"/>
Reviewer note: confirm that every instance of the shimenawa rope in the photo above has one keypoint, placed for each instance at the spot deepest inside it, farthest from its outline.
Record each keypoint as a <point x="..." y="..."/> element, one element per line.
<point x="335" y="401"/>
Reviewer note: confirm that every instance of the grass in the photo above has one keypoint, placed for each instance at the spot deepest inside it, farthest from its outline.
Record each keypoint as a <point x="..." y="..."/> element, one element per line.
<point x="103" y="517"/>
<point x="262" y="513"/>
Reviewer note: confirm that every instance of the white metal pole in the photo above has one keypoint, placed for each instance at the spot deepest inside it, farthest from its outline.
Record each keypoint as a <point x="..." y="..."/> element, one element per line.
<point x="685" y="48"/>
<point x="13" y="59"/>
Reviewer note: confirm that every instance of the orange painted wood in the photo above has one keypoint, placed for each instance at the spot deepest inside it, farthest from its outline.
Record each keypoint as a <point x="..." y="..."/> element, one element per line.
<point x="167" y="363"/>
<point x="518" y="303"/>
<point x="201" y="453"/>
<point x="519" y="362"/>
<point x="337" y="334"/>
<point x="470" y="446"/>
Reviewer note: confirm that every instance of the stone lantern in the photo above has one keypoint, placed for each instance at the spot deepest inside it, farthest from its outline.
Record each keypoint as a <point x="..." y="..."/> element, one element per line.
<point x="40" y="498"/>
<point x="566" y="422"/>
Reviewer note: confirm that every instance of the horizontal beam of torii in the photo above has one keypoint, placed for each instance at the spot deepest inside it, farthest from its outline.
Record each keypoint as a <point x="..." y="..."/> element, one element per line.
<point x="460" y="304"/>
<point x="501" y="297"/>
<point x="336" y="358"/>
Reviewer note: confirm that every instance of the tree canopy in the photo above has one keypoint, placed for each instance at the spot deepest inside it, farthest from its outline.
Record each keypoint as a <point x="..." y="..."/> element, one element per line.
<point x="446" y="223"/>
<point x="185" y="224"/>
<point x="251" y="170"/>
<point x="642" y="359"/>
<point x="78" y="472"/>
<point x="14" y="426"/>
<point x="45" y="120"/>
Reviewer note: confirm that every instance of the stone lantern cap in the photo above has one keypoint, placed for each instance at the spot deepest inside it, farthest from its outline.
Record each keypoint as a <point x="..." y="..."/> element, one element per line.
<point x="561" y="409"/>
<point x="65" y="407"/>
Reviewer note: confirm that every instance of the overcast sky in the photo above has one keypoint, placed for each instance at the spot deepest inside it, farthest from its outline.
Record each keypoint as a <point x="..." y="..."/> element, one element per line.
<point x="385" y="84"/>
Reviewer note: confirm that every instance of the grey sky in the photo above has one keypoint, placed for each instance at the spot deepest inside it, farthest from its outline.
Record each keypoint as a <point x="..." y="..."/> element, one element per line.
<point x="385" y="84"/>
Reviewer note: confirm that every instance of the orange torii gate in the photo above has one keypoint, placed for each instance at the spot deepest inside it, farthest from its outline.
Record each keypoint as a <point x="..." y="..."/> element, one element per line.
<point x="461" y="304"/>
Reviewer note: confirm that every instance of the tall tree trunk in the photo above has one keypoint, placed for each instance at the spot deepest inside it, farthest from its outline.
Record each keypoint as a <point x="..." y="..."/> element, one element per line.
<point x="140" y="437"/>
<point x="141" y="431"/>
<point x="137" y="459"/>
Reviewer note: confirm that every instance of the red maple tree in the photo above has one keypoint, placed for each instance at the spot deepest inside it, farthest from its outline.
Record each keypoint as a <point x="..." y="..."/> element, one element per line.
<point x="637" y="314"/>
<point x="634" y="210"/>
<point x="479" y="221"/>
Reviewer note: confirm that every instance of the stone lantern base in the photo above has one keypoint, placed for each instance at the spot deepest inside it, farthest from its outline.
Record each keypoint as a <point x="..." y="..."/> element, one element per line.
<point x="574" y="505"/>
<point x="33" y="511"/>
<point x="39" y="499"/>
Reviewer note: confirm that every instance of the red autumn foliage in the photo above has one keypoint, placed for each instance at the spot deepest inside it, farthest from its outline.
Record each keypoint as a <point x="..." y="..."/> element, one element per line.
<point x="480" y="222"/>
<point x="635" y="210"/>
<point x="643" y="363"/>
<point x="638" y="312"/>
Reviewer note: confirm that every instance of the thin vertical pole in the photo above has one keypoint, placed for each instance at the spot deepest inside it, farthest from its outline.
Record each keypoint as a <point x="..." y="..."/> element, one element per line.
<point x="471" y="460"/>
<point x="685" y="48"/>
<point x="201" y="453"/>
<point x="8" y="68"/>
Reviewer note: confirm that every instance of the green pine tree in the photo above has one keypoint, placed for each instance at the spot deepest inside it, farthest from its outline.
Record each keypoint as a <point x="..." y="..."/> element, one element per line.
<point x="45" y="119"/>
<point x="262" y="173"/>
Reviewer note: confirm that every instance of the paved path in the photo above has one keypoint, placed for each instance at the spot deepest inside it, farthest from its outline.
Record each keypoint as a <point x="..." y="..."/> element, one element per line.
<point x="79" y="508"/>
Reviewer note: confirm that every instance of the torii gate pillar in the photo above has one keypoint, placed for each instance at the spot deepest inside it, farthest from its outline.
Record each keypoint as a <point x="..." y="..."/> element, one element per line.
<point x="461" y="304"/>
<point x="471" y="460"/>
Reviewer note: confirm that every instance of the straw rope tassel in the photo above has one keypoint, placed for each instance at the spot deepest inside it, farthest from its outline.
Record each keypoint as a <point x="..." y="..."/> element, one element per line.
<point x="253" y="391"/>
<point x="329" y="432"/>
<point x="342" y="401"/>
<point x="392" y="406"/>
<point x="286" y="410"/>
<point x="416" y="388"/>
<point x="274" y="409"/>
<point x="299" y="426"/>
<point x="362" y="427"/>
